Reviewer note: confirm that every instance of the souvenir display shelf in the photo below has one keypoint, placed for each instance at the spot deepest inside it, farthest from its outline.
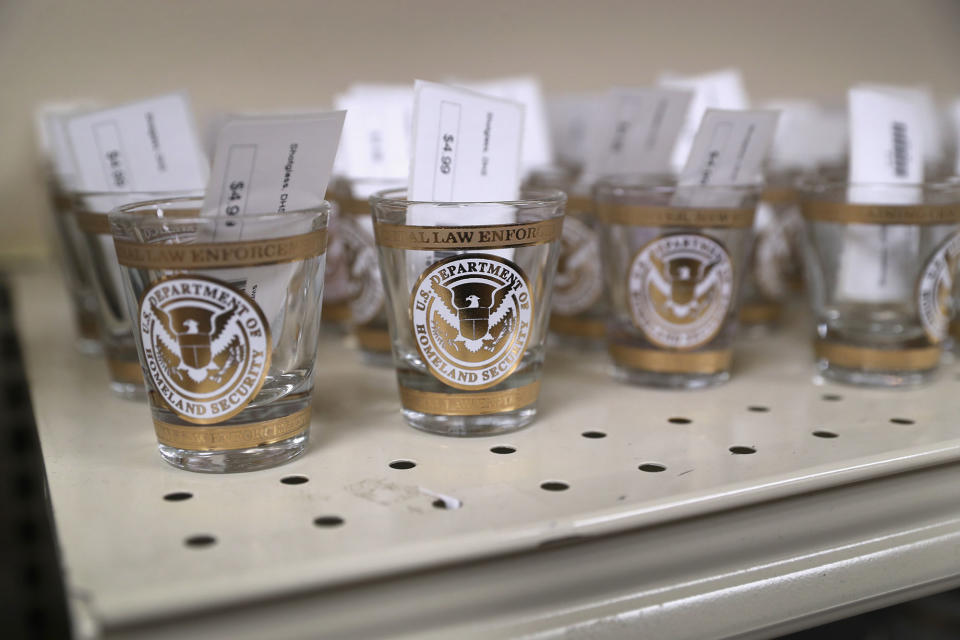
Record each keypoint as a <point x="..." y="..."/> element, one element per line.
<point x="772" y="503"/>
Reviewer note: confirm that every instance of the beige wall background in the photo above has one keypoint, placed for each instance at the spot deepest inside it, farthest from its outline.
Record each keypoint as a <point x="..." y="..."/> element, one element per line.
<point x="258" y="54"/>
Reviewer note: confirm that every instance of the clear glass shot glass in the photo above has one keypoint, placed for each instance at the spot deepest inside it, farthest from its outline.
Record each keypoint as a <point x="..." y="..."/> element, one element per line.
<point x="227" y="323"/>
<point x="90" y="214"/>
<point x="881" y="267"/>
<point x="774" y="265"/>
<point x="580" y="306"/>
<point x="70" y="254"/>
<point x="674" y="258"/>
<point x="358" y="275"/>
<point x="468" y="288"/>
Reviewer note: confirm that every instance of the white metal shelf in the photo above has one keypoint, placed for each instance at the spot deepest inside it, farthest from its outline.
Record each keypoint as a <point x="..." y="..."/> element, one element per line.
<point x="717" y="545"/>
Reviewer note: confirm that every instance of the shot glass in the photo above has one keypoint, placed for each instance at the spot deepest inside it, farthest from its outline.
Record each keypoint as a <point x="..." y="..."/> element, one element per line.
<point x="774" y="264"/>
<point x="99" y="261"/>
<point x="359" y="273"/>
<point x="336" y="287"/>
<point x="70" y="253"/>
<point x="579" y="305"/>
<point x="468" y="301"/>
<point x="881" y="266"/>
<point x="227" y="321"/>
<point x="673" y="270"/>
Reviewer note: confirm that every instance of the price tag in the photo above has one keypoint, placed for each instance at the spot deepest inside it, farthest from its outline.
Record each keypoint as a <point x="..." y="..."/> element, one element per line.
<point x="635" y="131"/>
<point x="466" y="146"/>
<point x="886" y="147"/>
<point x="729" y="149"/>
<point x="148" y="145"/>
<point x="270" y="164"/>
<point x="721" y="89"/>
<point x="537" y="150"/>
<point x="376" y="133"/>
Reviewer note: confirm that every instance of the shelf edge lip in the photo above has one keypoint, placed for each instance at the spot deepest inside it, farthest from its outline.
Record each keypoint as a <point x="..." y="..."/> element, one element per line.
<point x="450" y="554"/>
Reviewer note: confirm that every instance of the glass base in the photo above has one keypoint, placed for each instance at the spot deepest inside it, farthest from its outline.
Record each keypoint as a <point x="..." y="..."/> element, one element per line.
<point x="658" y="380"/>
<point x="576" y="343"/>
<point x="377" y="358"/>
<point x="471" y="426"/>
<point x="886" y="379"/>
<point x="128" y="391"/>
<point x="236" y="460"/>
<point x="88" y="346"/>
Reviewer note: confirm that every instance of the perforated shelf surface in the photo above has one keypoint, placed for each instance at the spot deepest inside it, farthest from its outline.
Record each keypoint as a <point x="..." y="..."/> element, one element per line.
<point x="783" y="500"/>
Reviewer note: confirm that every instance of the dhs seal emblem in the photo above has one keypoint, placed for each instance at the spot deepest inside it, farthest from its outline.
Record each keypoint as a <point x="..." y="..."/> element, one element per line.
<point x="206" y="346"/>
<point x="472" y="316"/>
<point x="680" y="288"/>
<point x="578" y="283"/>
<point x="935" y="288"/>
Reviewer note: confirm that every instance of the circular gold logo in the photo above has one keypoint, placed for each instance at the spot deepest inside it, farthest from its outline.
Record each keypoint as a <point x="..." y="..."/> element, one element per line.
<point x="679" y="289"/>
<point x="362" y="284"/>
<point x="771" y="260"/>
<point x="935" y="289"/>
<point x="578" y="282"/>
<point x="206" y="345"/>
<point x="336" y="275"/>
<point x="472" y="317"/>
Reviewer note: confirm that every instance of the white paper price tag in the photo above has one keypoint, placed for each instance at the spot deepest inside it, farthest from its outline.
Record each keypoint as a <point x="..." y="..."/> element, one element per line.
<point x="466" y="146"/>
<point x="466" y="149"/>
<point x="721" y="89"/>
<point x="729" y="149"/>
<point x="376" y="134"/>
<point x="537" y="149"/>
<point x="635" y="131"/>
<point x="886" y="137"/>
<point x="569" y="117"/>
<point x="270" y="164"/>
<point x="148" y="145"/>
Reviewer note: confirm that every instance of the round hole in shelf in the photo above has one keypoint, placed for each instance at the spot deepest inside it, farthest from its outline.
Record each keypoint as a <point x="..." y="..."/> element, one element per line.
<point x="901" y="420"/>
<point x="594" y="435"/>
<point x="200" y="541"/>
<point x="554" y="485"/>
<point x="328" y="521"/>
<point x="739" y="449"/>
<point x="502" y="450"/>
<point x="822" y="433"/>
<point x="294" y="479"/>
<point x="758" y="409"/>
<point x="679" y="420"/>
<point x="831" y="397"/>
<point x="652" y="467"/>
<point x="403" y="464"/>
<point x="178" y="496"/>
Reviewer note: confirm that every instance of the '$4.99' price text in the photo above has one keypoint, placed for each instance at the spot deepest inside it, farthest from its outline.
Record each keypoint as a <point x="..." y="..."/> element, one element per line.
<point x="236" y="193"/>
<point x="446" y="154"/>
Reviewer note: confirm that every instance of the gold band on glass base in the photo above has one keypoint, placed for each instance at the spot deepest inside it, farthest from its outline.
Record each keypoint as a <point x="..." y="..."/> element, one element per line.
<point x="469" y="404"/>
<point x="241" y="436"/>
<point x="760" y="312"/>
<point x="955" y="329"/>
<point x="128" y="371"/>
<point x="871" y="359"/>
<point x="87" y="325"/>
<point x="338" y="312"/>
<point x="371" y="339"/>
<point x="577" y="326"/>
<point x="704" y="362"/>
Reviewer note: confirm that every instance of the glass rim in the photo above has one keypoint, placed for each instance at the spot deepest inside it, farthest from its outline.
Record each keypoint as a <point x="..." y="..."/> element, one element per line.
<point x="140" y="212"/>
<point x="814" y="183"/>
<point x="160" y="193"/>
<point x="542" y="198"/>
<point x="667" y="183"/>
